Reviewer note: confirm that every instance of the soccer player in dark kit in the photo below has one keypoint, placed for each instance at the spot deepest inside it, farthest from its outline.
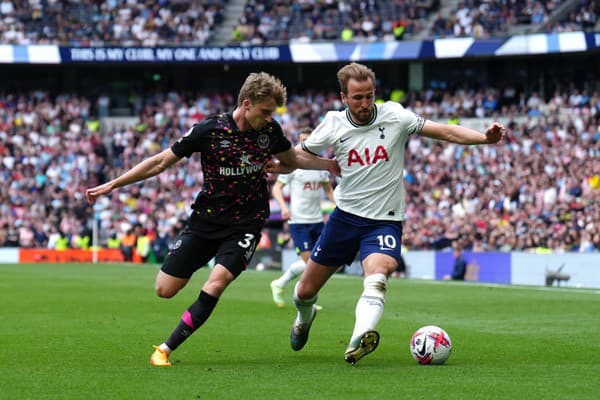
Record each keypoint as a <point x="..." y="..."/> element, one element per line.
<point x="230" y="211"/>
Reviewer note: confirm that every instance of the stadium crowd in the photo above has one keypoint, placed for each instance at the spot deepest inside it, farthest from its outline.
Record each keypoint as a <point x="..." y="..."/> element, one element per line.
<point x="277" y="21"/>
<point x="487" y="18"/>
<point x="538" y="191"/>
<point x="97" y="23"/>
<point x="100" y="23"/>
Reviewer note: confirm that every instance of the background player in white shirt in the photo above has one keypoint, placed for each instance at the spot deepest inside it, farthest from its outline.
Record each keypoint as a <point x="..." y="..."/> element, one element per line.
<point x="369" y="141"/>
<point x="304" y="216"/>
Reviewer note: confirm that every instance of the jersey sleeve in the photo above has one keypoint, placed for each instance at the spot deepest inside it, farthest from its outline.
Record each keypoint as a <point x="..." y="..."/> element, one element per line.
<point x="284" y="179"/>
<point x="191" y="142"/>
<point x="280" y="142"/>
<point x="416" y="124"/>
<point x="320" y="138"/>
<point x="413" y="122"/>
<point x="409" y="121"/>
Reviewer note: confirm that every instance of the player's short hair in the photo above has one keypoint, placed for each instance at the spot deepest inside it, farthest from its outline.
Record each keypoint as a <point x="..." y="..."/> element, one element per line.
<point x="260" y="86"/>
<point x="305" y="131"/>
<point x="357" y="71"/>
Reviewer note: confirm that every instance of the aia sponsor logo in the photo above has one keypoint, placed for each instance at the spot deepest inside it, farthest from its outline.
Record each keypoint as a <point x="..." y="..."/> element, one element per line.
<point x="367" y="156"/>
<point x="313" y="186"/>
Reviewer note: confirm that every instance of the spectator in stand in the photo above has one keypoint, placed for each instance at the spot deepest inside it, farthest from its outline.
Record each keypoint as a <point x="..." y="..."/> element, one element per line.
<point x="459" y="268"/>
<point x="143" y="244"/>
<point x="103" y="23"/>
<point x="62" y="241"/>
<point x="109" y="23"/>
<point x="128" y="242"/>
<point x="113" y="241"/>
<point x="42" y="163"/>
<point x="160" y="246"/>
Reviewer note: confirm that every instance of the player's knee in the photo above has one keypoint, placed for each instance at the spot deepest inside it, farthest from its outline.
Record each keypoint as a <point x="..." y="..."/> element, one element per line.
<point x="388" y="268"/>
<point x="376" y="264"/>
<point x="165" y="292"/>
<point x="304" y="290"/>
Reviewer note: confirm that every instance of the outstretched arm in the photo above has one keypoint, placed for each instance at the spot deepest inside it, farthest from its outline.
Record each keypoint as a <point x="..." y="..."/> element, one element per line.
<point x="292" y="159"/>
<point x="148" y="168"/>
<point x="463" y="135"/>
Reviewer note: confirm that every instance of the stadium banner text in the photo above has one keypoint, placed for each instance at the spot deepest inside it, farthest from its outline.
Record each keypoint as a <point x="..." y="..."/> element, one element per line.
<point x="516" y="268"/>
<point x="531" y="44"/>
<point x="174" y="54"/>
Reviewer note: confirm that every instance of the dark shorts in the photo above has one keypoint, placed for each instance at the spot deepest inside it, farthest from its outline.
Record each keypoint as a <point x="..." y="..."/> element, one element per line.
<point x="346" y="234"/>
<point x="191" y="252"/>
<point x="305" y="235"/>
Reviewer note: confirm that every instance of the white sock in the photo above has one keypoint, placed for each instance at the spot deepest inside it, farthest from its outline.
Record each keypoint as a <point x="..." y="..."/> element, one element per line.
<point x="293" y="271"/>
<point x="304" y="307"/>
<point x="165" y="348"/>
<point x="369" y="308"/>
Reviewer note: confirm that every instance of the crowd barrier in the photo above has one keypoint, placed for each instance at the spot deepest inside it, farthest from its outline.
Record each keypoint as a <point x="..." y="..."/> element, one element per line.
<point x="13" y="256"/>
<point x="519" y="268"/>
<point x="564" y="269"/>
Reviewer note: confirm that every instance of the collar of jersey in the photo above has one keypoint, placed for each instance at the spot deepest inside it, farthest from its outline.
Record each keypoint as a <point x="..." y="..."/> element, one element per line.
<point x="368" y="123"/>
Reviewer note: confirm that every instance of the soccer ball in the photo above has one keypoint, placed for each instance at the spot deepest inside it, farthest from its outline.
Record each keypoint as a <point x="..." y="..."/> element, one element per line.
<point x="430" y="345"/>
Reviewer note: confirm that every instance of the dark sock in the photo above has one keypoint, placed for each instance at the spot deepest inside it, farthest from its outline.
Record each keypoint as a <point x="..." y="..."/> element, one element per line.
<point x="192" y="319"/>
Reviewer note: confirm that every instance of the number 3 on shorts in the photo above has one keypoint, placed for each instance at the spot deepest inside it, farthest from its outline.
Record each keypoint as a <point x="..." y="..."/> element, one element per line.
<point x="247" y="241"/>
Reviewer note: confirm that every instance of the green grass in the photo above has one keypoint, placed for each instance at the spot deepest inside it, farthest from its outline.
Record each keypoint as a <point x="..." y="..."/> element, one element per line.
<point x="85" y="332"/>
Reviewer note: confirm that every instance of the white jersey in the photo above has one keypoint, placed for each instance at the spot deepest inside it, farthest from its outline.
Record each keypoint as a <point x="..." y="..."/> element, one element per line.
<point x="371" y="158"/>
<point x="305" y="195"/>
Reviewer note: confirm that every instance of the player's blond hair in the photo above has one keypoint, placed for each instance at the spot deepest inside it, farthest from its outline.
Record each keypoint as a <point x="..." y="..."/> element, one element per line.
<point x="260" y="86"/>
<point x="355" y="70"/>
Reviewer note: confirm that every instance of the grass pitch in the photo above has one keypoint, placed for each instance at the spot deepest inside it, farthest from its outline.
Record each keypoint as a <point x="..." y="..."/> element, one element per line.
<point x="85" y="332"/>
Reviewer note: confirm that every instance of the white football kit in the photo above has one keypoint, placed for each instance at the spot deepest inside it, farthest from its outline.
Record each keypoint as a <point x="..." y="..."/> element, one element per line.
<point x="305" y="195"/>
<point x="371" y="158"/>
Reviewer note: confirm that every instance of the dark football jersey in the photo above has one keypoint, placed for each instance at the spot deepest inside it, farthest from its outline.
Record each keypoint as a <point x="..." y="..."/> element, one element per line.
<point x="235" y="189"/>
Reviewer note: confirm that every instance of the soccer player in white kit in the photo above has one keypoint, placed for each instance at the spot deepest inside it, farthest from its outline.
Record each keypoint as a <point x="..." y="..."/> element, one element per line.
<point x="369" y="141"/>
<point x="304" y="216"/>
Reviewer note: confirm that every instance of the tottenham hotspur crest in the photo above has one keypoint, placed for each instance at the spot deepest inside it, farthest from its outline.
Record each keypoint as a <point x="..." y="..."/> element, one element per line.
<point x="263" y="141"/>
